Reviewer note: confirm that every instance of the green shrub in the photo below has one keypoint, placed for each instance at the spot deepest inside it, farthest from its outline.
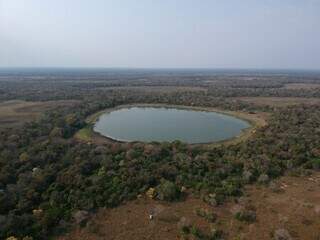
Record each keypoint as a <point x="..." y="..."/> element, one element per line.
<point x="194" y="231"/>
<point x="185" y="230"/>
<point x="167" y="191"/>
<point x="248" y="216"/>
<point x="316" y="163"/>
<point x="215" y="234"/>
<point x="207" y="214"/>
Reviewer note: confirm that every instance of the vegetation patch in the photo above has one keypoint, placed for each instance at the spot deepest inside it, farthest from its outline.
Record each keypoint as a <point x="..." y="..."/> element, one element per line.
<point x="84" y="134"/>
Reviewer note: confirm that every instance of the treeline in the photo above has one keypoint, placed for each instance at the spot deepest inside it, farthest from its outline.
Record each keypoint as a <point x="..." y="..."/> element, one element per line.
<point x="44" y="87"/>
<point x="263" y="92"/>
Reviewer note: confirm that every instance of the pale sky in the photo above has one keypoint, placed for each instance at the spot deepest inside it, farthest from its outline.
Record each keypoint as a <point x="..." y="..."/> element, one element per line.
<point x="160" y="33"/>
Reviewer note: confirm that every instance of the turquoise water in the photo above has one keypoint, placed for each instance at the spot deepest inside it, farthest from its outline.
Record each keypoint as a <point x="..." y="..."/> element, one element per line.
<point x="148" y="124"/>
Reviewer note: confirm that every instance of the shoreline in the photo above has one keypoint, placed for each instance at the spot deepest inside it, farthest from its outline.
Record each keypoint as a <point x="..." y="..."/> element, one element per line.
<point x="253" y="119"/>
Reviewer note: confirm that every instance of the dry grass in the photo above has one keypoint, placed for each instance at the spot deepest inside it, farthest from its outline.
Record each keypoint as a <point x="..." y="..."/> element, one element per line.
<point x="84" y="134"/>
<point x="278" y="101"/>
<point x="307" y="86"/>
<point x="16" y="112"/>
<point x="161" y="89"/>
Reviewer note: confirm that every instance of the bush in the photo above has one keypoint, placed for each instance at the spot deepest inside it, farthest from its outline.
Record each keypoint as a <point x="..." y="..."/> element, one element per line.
<point x="185" y="230"/>
<point x="316" y="163"/>
<point x="248" y="216"/>
<point x="196" y="233"/>
<point x="215" y="234"/>
<point x="263" y="179"/>
<point x="167" y="191"/>
<point x="199" y="235"/>
<point x="207" y="214"/>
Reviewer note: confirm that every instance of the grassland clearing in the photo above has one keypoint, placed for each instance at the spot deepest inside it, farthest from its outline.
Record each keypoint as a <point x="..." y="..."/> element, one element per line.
<point x="278" y="101"/>
<point x="16" y="112"/>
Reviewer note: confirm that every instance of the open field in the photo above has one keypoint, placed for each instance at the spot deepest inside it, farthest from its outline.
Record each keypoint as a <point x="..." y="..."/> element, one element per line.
<point x="289" y="205"/>
<point x="84" y="134"/>
<point x="160" y="89"/>
<point x="278" y="101"/>
<point x="17" y="112"/>
<point x="308" y="86"/>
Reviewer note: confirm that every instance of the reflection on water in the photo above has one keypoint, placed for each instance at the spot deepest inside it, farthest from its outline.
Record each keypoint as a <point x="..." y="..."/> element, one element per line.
<point x="168" y="124"/>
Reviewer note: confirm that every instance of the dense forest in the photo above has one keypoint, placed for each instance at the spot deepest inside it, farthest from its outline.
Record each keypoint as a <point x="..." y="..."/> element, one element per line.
<point x="46" y="175"/>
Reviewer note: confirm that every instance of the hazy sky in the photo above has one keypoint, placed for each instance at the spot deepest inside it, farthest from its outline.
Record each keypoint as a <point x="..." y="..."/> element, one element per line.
<point x="160" y="33"/>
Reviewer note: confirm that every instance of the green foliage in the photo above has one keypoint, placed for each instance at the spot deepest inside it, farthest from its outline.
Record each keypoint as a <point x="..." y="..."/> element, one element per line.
<point x="185" y="230"/>
<point x="248" y="216"/>
<point x="315" y="163"/>
<point x="194" y="231"/>
<point x="209" y="215"/>
<point x="216" y="234"/>
<point x="167" y="191"/>
<point x="85" y="134"/>
<point x="197" y="234"/>
<point x="24" y="157"/>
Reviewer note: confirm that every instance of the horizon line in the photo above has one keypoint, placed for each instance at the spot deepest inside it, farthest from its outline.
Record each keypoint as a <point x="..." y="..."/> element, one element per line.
<point x="160" y="68"/>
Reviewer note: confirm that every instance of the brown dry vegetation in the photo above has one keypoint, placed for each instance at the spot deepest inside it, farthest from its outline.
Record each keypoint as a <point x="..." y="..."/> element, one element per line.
<point x="16" y="112"/>
<point x="278" y="101"/>
<point x="160" y="89"/>
<point x="302" y="86"/>
<point x="292" y="203"/>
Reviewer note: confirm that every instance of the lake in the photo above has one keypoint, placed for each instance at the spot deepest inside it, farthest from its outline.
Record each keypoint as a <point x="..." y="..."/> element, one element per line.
<point x="147" y="124"/>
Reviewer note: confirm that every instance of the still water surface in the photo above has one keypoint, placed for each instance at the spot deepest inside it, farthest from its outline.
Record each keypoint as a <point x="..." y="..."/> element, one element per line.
<point x="148" y="124"/>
